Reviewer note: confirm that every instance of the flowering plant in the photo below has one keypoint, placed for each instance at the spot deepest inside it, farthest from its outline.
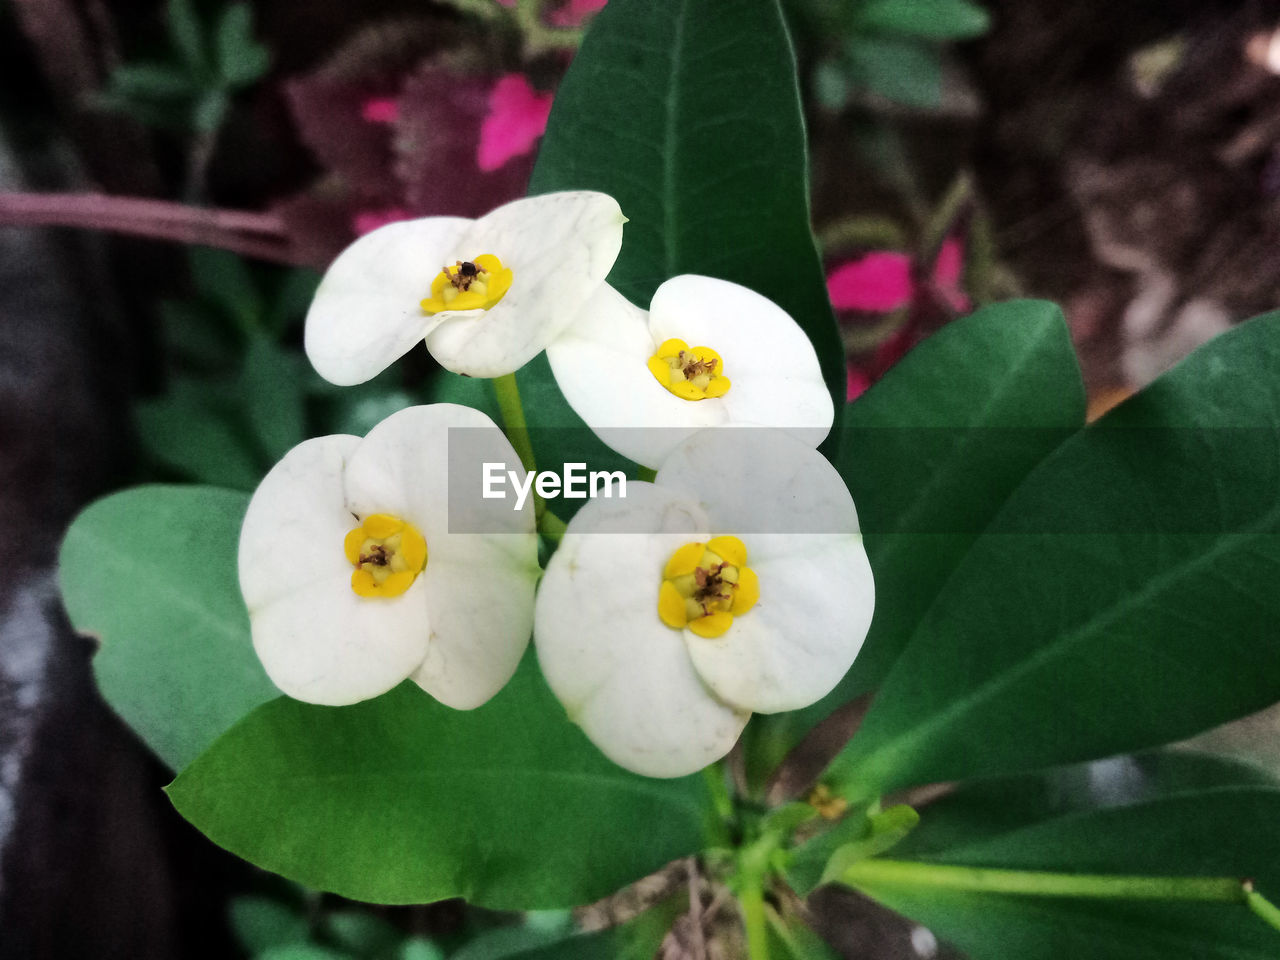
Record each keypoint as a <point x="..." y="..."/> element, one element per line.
<point x="1051" y="602"/>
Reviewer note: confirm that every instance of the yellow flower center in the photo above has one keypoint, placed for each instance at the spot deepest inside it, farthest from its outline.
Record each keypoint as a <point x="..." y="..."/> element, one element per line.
<point x="706" y="585"/>
<point x="387" y="553"/>
<point x="469" y="285"/>
<point x="691" y="373"/>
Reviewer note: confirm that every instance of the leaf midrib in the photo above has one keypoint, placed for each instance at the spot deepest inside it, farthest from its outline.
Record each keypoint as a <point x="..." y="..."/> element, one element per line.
<point x="906" y="741"/>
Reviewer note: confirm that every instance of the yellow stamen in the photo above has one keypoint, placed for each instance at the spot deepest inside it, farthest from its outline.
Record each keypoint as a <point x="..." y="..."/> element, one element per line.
<point x="388" y="554"/>
<point x="691" y="373"/>
<point x="706" y="585"/>
<point x="469" y="285"/>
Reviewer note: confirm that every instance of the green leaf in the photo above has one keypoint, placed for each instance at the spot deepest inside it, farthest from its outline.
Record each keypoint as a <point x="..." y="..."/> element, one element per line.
<point x="906" y="71"/>
<point x="932" y="19"/>
<point x="261" y="924"/>
<point x="241" y="59"/>
<point x="152" y="573"/>
<point x="303" y="951"/>
<point x="224" y="279"/>
<point x="187" y="34"/>
<point x="403" y="800"/>
<point x="930" y="454"/>
<point x="362" y="933"/>
<point x="1123" y="598"/>
<point x="152" y="82"/>
<point x="1161" y="815"/>
<point x="418" y="948"/>
<point x="271" y="387"/>
<point x="792" y="939"/>
<point x="197" y="430"/>
<point x="209" y="111"/>
<point x="855" y="838"/>
<point x="689" y="114"/>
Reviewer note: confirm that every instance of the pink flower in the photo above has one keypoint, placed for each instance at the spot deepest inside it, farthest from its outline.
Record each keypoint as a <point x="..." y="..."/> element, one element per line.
<point x="380" y="110"/>
<point x="366" y="221"/>
<point x="516" y="119"/>
<point x="882" y="281"/>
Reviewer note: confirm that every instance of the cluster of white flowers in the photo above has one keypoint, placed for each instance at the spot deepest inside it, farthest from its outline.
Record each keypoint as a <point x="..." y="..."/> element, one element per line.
<point x="663" y="619"/>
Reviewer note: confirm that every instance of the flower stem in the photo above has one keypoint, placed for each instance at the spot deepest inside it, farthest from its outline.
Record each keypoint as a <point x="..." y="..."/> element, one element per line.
<point x="751" y="897"/>
<point x="645" y="474"/>
<point x="513" y="421"/>
<point x="1043" y="884"/>
<point x="551" y="526"/>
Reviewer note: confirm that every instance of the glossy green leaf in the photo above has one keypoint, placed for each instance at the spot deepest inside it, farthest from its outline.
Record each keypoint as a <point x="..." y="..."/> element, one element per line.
<point x="1160" y="815"/>
<point x="934" y="19"/>
<point x="151" y="572"/>
<point x="403" y="800"/>
<point x="1124" y="597"/>
<point x="689" y="114"/>
<point x="930" y="453"/>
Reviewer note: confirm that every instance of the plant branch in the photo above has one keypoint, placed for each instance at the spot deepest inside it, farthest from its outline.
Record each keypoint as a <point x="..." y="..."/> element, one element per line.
<point x="258" y="235"/>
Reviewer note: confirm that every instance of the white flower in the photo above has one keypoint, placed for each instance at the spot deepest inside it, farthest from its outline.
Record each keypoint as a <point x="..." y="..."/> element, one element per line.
<point x="488" y="295"/>
<point x="354" y="580"/>
<point x="736" y="582"/>
<point x="707" y="353"/>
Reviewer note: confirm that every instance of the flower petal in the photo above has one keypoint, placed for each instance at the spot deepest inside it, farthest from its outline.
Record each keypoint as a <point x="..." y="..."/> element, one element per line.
<point x="323" y="644"/>
<point x="560" y="247"/>
<point x="298" y="507"/>
<point x="752" y="333"/>
<point x="366" y="313"/>
<point x="761" y="481"/>
<point x="880" y="282"/>
<point x="316" y="639"/>
<point x="801" y="637"/>
<point x="517" y="117"/>
<point x="601" y="366"/>
<point x="405" y="465"/>
<point x="776" y="379"/>
<point x="481" y="618"/>
<point x="623" y="675"/>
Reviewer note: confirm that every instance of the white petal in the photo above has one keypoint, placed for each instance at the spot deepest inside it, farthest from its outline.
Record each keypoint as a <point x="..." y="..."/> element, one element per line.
<point x="600" y="365"/>
<point x="560" y="248"/>
<point x="323" y="644"/>
<point x="482" y="555"/>
<point x="367" y="311"/>
<point x="761" y="481"/>
<point x="481" y="618"/>
<point x="318" y="641"/>
<point x="405" y="465"/>
<point x="801" y="407"/>
<point x="623" y="675"/>
<point x="795" y="644"/>
<point x="293" y="531"/>
<point x="773" y="368"/>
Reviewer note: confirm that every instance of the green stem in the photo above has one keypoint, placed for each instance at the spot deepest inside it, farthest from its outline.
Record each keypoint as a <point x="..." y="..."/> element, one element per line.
<point x="1043" y="884"/>
<point x="645" y="474"/>
<point x="508" y="394"/>
<point x="1261" y="906"/>
<point x="551" y="526"/>
<point x="721" y="802"/>
<point x="513" y="422"/>
<point x="751" y="896"/>
<point x="538" y="37"/>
